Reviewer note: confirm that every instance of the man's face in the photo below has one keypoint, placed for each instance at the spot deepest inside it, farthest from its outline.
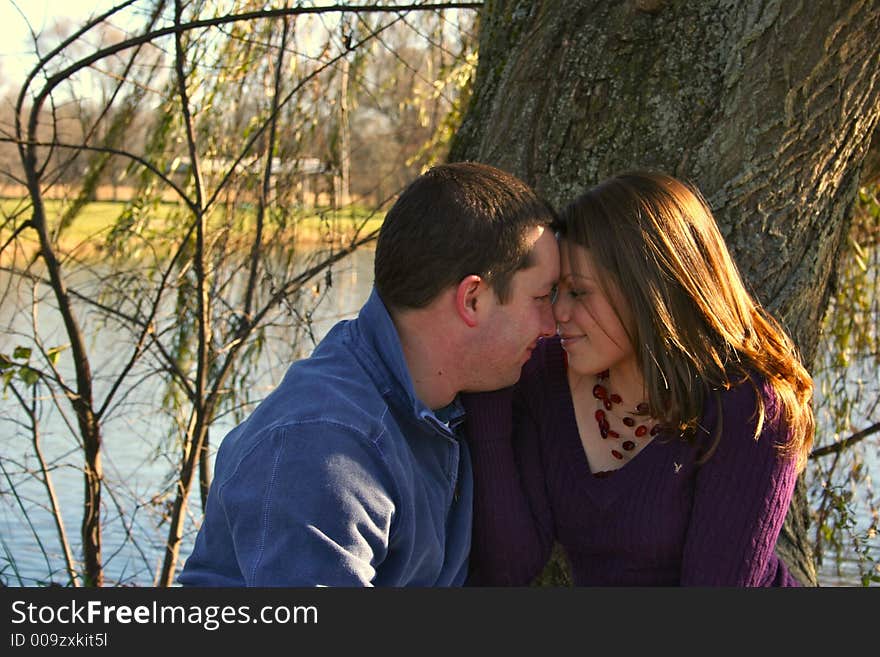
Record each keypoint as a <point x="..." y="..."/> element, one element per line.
<point x="509" y="332"/>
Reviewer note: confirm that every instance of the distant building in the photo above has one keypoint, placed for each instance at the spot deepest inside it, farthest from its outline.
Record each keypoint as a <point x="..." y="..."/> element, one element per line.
<point x="308" y="181"/>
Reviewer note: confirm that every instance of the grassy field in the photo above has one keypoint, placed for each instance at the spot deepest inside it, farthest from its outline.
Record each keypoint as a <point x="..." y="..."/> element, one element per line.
<point x="89" y="231"/>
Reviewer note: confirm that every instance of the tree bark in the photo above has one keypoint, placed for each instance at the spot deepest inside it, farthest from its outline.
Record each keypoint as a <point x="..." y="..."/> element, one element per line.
<point x="768" y="106"/>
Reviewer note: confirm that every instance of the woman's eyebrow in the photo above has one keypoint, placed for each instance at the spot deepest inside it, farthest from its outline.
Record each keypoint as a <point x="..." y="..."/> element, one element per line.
<point x="571" y="275"/>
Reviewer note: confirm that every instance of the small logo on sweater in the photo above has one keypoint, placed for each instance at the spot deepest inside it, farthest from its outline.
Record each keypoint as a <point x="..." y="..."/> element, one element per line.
<point x="676" y="466"/>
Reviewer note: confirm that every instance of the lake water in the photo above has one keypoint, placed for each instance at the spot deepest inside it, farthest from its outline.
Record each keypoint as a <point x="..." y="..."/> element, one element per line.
<point x="138" y="462"/>
<point x="137" y="459"/>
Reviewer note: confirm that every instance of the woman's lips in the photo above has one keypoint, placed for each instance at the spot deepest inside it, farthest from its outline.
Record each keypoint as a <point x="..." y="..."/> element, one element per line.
<point x="569" y="339"/>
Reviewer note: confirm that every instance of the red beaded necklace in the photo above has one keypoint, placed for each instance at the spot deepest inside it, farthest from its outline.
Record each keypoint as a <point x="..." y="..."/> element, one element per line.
<point x="632" y="420"/>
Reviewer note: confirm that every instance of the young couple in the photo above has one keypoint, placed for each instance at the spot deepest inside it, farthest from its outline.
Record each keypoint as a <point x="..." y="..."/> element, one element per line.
<point x="599" y="379"/>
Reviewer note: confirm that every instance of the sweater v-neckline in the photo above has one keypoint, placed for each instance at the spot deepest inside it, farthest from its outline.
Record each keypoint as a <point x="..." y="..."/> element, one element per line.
<point x="605" y="487"/>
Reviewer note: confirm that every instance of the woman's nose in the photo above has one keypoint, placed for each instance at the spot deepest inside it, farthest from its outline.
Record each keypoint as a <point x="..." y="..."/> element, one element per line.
<point x="560" y="309"/>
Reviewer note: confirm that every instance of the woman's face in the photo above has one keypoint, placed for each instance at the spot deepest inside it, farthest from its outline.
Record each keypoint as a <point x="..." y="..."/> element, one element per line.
<point x="592" y="334"/>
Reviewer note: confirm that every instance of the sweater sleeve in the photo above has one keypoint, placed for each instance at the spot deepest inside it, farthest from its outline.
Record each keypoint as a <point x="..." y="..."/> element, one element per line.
<point x="742" y="495"/>
<point x="512" y="535"/>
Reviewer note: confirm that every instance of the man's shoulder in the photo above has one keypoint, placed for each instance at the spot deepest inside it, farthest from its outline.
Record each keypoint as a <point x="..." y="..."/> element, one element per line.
<point x="334" y="396"/>
<point x="314" y="412"/>
<point x="333" y="387"/>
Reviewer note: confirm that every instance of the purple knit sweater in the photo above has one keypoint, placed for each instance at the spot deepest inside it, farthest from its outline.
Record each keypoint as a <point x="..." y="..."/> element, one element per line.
<point x="659" y="520"/>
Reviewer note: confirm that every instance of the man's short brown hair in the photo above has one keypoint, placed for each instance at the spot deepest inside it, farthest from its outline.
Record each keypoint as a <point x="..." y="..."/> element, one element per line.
<point x="453" y="221"/>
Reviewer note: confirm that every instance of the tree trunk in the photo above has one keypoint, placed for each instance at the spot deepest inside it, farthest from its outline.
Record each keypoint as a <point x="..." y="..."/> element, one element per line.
<point x="767" y="106"/>
<point x="82" y="397"/>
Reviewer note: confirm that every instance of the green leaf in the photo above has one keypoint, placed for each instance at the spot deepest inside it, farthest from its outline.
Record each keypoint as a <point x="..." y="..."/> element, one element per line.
<point x="5" y="362"/>
<point x="22" y="353"/>
<point x="28" y="375"/>
<point x="54" y="352"/>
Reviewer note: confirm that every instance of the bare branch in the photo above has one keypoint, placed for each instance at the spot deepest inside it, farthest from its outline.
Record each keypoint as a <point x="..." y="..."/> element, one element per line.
<point x="837" y="448"/>
<point x="179" y="28"/>
<point x="50" y="488"/>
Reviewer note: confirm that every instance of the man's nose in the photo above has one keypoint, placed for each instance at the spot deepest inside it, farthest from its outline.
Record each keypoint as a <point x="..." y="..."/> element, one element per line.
<point x="548" y="323"/>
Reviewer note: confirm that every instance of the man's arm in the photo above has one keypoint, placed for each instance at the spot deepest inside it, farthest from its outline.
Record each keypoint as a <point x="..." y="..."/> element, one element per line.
<point x="311" y="504"/>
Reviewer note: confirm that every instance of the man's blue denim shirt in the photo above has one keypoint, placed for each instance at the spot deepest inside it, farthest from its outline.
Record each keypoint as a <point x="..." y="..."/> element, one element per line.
<point x="340" y="477"/>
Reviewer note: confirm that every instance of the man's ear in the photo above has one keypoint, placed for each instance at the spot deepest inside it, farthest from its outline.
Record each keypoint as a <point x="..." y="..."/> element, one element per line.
<point x="467" y="296"/>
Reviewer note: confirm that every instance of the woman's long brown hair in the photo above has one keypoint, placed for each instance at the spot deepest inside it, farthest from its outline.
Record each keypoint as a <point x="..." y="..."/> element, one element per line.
<point x="695" y="327"/>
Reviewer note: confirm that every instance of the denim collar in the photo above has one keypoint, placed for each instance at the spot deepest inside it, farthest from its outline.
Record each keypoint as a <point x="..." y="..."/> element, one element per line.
<point x="389" y="370"/>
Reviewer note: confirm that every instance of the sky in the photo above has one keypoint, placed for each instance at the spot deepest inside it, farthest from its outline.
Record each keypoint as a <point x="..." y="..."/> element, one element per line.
<point x="42" y="14"/>
<point x="15" y="43"/>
